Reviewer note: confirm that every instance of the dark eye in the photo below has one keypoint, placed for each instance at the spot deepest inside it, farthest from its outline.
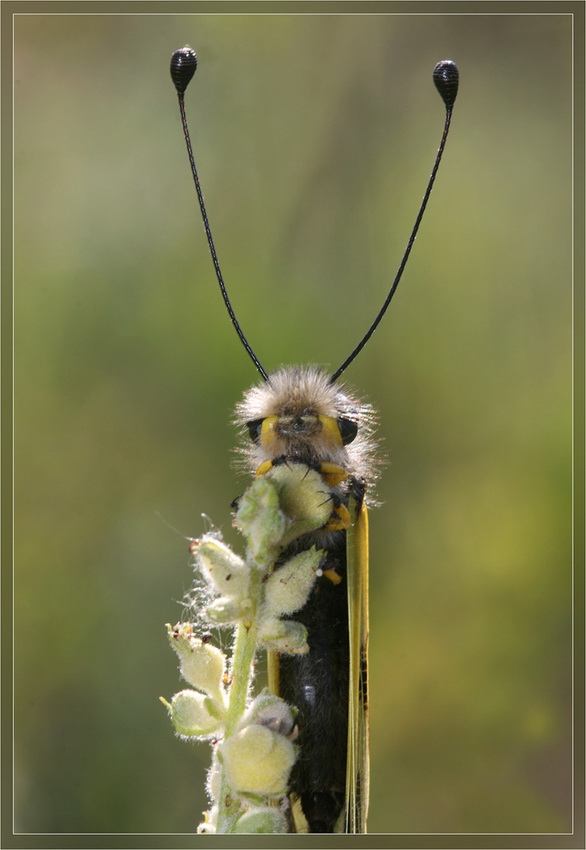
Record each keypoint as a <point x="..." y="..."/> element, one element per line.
<point x="254" y="429"/>
<point x="348" y="430"/>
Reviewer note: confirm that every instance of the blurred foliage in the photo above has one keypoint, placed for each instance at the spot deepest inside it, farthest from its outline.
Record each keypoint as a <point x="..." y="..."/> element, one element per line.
<point x="314" y="137"/>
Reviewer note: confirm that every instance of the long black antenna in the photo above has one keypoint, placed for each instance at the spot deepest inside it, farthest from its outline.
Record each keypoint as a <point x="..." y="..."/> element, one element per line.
<point x="445" y="77"/>
<point x="183" y="67"/>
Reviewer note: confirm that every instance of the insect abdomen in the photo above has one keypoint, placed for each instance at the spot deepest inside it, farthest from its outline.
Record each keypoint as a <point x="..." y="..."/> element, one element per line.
<point x="317" y="684"/>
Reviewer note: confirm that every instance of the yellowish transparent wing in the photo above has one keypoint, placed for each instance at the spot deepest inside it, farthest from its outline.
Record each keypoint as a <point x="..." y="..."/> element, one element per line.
<point x="357" y="771"/>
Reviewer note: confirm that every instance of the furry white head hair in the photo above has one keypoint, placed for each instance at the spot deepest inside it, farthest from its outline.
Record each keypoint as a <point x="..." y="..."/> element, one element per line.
<point x="295" y="391"/>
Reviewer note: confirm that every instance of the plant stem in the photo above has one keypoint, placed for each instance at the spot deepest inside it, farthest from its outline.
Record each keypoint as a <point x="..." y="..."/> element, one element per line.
<point x="241" y="671"/>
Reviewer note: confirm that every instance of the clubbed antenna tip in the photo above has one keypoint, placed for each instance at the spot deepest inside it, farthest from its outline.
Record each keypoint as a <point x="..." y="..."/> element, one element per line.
<point x="446" y="77"/>
<point x="183" y="67"/>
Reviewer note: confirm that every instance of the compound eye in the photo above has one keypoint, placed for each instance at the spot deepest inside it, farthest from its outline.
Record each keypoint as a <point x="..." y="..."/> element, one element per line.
<point x="254" y="429"/>
<point x="348" y="430"/>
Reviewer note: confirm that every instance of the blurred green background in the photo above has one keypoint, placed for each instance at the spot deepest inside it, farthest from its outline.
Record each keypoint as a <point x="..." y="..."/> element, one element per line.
<point x="314" y="136"/>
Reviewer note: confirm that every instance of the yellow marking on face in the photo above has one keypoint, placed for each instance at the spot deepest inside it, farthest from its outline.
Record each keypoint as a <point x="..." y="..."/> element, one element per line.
<point x="274" y="427"/>
<point x="268" y="438"/>
<point x="330" y="427"/>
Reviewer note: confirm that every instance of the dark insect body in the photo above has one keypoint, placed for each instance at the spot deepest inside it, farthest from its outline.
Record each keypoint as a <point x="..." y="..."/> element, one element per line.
<point x="302" y="415"/>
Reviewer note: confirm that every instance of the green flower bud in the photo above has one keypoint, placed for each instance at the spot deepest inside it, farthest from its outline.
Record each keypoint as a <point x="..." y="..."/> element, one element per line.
<point x="303" y="496"/>
<point x="224" y="610"/>
<point x="289" y="586"/>
<point x="262" y="820"/>
<point x="201" y="664"/>
<point x="261" y="520"/>
<point x="270" y="711"/>
<point x="195" y="715"/>
<point x="258" y="761"/>
<point x="284" y="636"/>
<point x="224" y="571"/>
